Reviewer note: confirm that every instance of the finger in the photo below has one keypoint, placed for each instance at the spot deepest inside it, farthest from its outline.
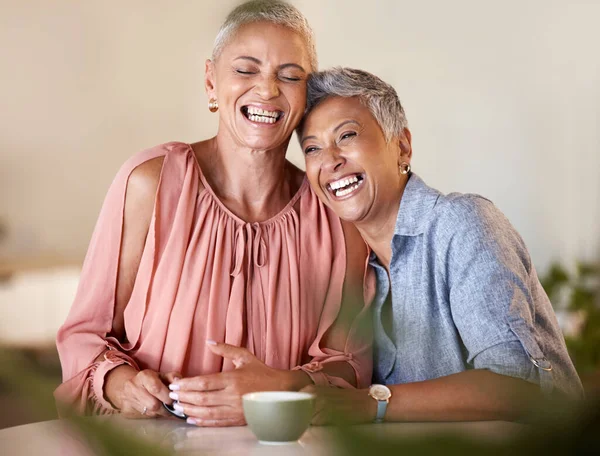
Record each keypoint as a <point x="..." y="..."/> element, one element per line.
<point x="148" y="407"/>
<point x="205" y="398"/>
<point x="212" y="382"/>
<point x="219" y="412"/>
<point x="140" y="399"/>
<point x="170" y="377"/>
<point x="217" y="423"/>
<point x="238" y="355"/>
<point x="153" y="385"/>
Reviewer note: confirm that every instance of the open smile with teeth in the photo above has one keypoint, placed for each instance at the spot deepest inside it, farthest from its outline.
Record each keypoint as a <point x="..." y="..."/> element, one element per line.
<point x="345" y="185"/>
<point x="259" y="115"/>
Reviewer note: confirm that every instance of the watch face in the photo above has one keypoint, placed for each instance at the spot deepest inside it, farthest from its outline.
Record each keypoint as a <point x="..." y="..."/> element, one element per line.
<point x="380" y="392"/>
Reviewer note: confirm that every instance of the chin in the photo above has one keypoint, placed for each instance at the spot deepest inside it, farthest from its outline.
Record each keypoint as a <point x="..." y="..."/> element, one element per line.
<point x="263" y="143"/>
<point x="352" y="215"/>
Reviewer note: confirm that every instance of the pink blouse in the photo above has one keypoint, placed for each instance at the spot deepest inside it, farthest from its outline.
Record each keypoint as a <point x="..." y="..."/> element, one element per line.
<point x="274" y="287"/>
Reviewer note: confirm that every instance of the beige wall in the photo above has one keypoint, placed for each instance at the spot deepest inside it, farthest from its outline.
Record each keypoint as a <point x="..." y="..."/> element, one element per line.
<point x="503" y="99"/>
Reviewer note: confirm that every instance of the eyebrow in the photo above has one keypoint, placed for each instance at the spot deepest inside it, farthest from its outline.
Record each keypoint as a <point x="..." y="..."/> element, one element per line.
<point x="281" y="67"/>
<point x="335" y="130"/>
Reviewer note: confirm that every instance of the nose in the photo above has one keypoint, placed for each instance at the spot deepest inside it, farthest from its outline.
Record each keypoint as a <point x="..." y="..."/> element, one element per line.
<point x="333" y="159"/>
<point x="267" y="88"/>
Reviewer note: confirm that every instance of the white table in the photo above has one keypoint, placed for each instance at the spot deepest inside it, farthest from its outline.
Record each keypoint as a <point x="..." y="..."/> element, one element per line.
<point x="51" y="438"/>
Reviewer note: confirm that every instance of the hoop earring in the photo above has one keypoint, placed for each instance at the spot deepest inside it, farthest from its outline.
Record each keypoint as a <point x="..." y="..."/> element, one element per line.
<point x="213" y="105"/>
<point x="404" y="168"/>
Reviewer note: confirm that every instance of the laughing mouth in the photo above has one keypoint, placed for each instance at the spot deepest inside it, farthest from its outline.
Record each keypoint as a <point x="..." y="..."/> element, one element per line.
<point x="259" y="115"/>
<point x="345" y="185"/>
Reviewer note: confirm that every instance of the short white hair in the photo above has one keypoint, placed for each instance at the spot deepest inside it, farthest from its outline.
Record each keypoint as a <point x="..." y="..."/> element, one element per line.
<point x="378" y="96"/>
<point x="273" y="11"/>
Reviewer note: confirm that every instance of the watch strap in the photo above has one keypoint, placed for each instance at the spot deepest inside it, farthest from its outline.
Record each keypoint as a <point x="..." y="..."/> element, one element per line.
<point x="381" y="409"/>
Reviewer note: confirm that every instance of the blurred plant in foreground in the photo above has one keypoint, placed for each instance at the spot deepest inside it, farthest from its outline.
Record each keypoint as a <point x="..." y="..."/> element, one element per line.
<point x="557" y="427"/>
<point x="21" y="377"/>
<point x="576" y="299"/>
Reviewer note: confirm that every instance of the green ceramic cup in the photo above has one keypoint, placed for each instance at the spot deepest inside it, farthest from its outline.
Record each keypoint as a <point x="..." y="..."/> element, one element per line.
<point x="278" y="417"/>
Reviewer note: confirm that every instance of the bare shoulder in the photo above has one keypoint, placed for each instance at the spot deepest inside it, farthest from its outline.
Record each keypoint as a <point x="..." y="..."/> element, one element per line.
<point x="141" y="192"/>
<point x="143" y="180"/>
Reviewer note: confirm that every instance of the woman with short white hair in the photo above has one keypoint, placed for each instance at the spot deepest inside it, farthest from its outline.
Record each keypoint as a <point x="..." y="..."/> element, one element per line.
<point x="463" y="328"/>
<point x="214" y="270"/>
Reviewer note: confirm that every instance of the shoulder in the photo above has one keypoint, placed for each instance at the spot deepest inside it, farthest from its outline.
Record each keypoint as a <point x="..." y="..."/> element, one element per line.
<point x="465" y="226"/>
<point x="458" y="213"/>
<point x="142" y="176"/>
<point x="143" y="170"/>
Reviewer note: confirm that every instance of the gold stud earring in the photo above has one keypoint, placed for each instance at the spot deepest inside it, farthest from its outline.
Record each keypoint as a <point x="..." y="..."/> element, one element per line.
<point x="404" y="168"/>
<point x="213" y="105"/>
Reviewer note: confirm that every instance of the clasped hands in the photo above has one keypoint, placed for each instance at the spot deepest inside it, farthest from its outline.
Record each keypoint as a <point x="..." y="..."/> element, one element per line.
<point x="212" y="400"/>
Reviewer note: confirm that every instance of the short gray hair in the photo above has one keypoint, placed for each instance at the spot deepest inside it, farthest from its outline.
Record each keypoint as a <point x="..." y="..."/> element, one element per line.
<point x="273" y="11"/>
<point x="378" y="96"/>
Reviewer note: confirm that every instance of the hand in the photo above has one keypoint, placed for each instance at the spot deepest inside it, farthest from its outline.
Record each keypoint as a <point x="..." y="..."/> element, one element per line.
<point x="216" y="399"/>
<point x="140" y="394"/>
<point x="347" y="406"/>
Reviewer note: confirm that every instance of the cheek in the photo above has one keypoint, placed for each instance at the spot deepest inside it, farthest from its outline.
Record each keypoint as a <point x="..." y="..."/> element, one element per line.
<point x="312" y="171"/>
<point x="297" y="98"/>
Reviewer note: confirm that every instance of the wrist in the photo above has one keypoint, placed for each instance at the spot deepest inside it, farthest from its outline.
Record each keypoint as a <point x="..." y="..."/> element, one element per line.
<point x="381" y="395"/>
<point x="295" y="380"/>
<point x="114" y="383"/>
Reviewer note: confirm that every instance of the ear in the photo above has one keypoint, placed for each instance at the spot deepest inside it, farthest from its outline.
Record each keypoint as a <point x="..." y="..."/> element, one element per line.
<point x="405" y="143"/>
<point x="209" y="79"/>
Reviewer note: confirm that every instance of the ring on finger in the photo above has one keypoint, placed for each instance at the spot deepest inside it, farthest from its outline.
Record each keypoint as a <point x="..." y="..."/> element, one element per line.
<point x="145" y="410"/>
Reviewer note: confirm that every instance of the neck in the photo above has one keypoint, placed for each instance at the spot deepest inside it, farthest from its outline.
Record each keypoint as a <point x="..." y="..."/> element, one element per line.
<point x="378" y="229"/>
<point x="253" y="184"/>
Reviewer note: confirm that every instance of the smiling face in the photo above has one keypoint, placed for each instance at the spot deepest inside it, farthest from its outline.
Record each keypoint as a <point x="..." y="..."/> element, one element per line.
<point x="349" y="164"/>
<point x="259" y="81"/>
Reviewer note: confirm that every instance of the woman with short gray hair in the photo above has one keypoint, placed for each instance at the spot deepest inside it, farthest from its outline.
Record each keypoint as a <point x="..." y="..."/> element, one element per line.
<point x="463" y="328"/>
<point x="214" y="270"/>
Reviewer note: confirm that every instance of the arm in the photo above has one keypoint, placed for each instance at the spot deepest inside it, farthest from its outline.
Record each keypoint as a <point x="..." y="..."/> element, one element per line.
<point x="125" y="387"/>
<point x="345" y="358"/>
<point x="467" y="396"/>
<point x="473" y="395"/>
<point x="94" y="367"/>
<point x="490" y="289"/>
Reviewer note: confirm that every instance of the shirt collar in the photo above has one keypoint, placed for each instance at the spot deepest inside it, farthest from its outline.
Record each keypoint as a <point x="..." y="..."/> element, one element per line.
<point x="416" y="206"/>
<point x="418" y="201"/>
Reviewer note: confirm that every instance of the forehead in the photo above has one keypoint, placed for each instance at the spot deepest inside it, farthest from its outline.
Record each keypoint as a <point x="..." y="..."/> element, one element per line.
<point x="331" y="111"/>
<point x="265" y="41"/>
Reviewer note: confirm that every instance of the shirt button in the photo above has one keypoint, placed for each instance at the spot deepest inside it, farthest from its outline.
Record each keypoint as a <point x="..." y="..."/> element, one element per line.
<point x="542" y="363"/>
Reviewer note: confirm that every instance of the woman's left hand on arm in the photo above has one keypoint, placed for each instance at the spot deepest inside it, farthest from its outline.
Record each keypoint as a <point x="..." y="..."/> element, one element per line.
<point x="216" y="399"/>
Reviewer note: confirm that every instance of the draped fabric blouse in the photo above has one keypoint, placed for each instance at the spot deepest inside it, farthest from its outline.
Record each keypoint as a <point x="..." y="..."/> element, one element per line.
<point x="274" y="287"/>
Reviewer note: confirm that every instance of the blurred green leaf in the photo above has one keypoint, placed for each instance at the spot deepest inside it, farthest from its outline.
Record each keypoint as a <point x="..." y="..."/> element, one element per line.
<point x="583" y="286"/>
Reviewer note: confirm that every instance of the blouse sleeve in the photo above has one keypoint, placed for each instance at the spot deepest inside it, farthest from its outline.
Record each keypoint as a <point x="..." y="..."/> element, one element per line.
<point x="504" y="318"/>
<point x="83" y="337"/>
<point x="350" y="313"/>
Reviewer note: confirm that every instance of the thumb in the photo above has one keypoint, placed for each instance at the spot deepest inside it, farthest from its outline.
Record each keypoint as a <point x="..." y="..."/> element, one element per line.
<point x="238" y="355"/>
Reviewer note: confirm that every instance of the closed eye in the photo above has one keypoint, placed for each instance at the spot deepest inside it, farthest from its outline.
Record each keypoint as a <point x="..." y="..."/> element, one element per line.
<point x="290" y="78"/>
<point x="244" y="72"/>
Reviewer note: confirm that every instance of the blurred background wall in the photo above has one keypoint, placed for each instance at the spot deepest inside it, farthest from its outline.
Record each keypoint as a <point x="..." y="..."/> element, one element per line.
<point x="502" y="97"/>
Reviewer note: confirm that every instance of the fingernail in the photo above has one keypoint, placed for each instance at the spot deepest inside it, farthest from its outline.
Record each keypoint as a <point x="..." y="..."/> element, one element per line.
<point x="174" y="396"/>
<point x="191" y="421"/>
<point x="174" y="387"/>
<point x="177" y="406"/>
<point x="176" y="379"/>
<point x="210" y="342"/>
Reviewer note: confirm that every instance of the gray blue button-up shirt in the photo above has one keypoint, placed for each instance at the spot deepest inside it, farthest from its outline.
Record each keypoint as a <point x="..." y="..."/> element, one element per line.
<point x="463" y="295"/>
